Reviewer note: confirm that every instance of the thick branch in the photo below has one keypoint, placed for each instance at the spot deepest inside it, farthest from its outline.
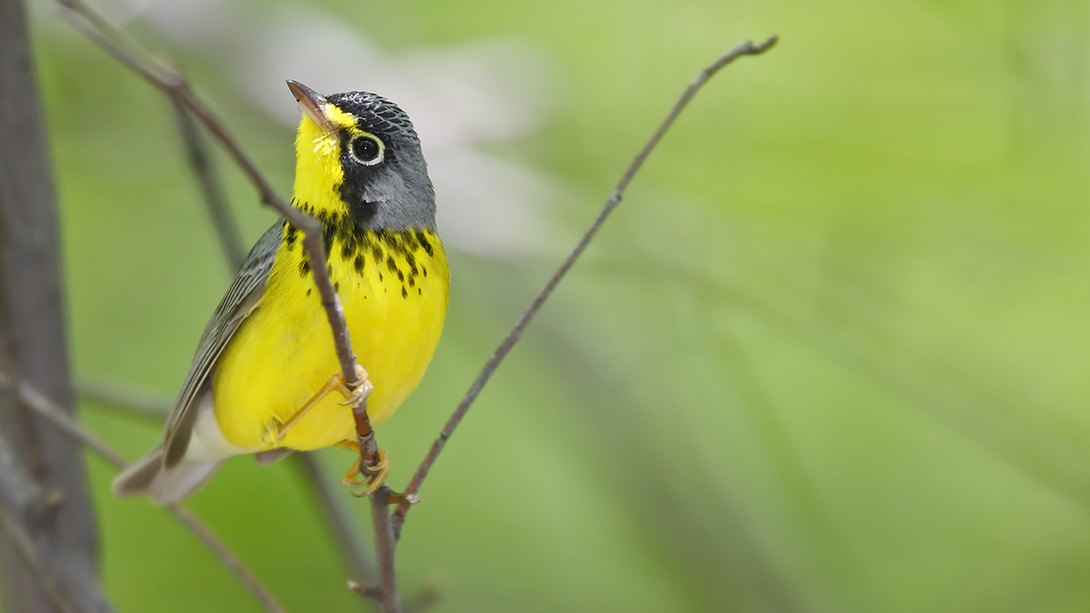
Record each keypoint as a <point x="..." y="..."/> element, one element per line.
<point x="745" y="48"/>
<point x="33" y="343"/>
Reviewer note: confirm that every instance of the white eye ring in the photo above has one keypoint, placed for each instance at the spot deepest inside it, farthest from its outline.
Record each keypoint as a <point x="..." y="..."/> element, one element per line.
<point x="367" y="149"/>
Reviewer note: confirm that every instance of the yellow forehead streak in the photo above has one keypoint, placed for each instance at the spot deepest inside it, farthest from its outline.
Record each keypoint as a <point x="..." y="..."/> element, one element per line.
<point x="318" y="172"/>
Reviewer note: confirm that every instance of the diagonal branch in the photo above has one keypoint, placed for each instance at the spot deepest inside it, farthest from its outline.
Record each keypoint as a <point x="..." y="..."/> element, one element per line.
<point x="39" y="568"/>
<point x="23" y="504"/>
<point x="346" y="534"/>
<point x="174" y="85"/>
<point x="133" y="401"/>
<point x="205" y="170"/>
<point x="43" y="406"/>
<point x="745" y="48"/>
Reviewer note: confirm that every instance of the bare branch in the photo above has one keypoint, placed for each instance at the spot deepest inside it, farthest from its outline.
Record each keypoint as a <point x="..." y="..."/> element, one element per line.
<point x="174" y="85"/>
<point x="25" y="545"/>
<point x="205" y="170"/>
<point x="368" y="591"/>
<point x="33" y="343"/>
<point x="24" y="503"/>
<point x="137" y="402"/>
<point x="46" y="408"/>
<point x="228" y="557"/>
<point x="346" y="533"/>
<point x="24" y="507"/>
<point x="745" y="48"/>
<point x="385" y="544"/>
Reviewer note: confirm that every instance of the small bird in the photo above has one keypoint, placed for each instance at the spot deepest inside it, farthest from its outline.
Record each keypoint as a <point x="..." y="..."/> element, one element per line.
<point x="265" y="374"/>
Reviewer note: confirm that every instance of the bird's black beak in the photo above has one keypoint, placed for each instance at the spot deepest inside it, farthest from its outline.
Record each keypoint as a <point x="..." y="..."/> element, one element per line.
<point x="312" y="103"/>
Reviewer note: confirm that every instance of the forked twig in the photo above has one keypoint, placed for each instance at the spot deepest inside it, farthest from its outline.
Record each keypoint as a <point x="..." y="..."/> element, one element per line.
<point x="745" y="48"/>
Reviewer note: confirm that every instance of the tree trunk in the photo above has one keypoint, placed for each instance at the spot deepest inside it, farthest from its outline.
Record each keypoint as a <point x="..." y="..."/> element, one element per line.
<point x="48" y="540"/>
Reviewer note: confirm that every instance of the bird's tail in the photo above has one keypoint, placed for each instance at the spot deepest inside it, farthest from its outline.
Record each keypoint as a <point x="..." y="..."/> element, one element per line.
<point x="164" y="486"/>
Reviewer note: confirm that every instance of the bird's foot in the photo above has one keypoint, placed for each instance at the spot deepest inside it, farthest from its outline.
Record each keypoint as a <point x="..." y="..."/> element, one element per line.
<point x="370" y="478"/>
<point x="357" y="394"/>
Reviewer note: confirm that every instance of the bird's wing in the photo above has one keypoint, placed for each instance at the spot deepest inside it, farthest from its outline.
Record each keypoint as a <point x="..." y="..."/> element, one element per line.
<point x="241" y="299"/>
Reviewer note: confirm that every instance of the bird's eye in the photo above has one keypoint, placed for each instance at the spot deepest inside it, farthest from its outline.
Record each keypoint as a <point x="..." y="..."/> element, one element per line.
<point x="367" y="150"/>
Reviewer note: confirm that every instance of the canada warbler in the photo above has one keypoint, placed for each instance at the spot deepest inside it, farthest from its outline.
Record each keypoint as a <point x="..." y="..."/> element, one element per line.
<point x="265" y="367"/>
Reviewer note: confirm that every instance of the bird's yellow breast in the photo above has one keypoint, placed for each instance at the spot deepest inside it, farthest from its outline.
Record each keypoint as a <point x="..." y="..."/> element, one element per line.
<point x="393" y="287"/>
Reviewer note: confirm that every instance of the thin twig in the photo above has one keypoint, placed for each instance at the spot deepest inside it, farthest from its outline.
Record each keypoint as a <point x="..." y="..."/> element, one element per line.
<point x="132" y="401"/>
<point x="173" y="84"/>
<point x="25" y="546"/>
<point x="45" y="407"/>
<point x="385" y="545"/>
<point x="745" y="48"/>
<point x="23" y="504"/>
<point x="345" y="531"/>
<point x="423" y="601"/>
<point x="48" y="409"/>
<point x="227" y="557"/>
<point x="367" y="591"/>
<point x="205" y="170"/>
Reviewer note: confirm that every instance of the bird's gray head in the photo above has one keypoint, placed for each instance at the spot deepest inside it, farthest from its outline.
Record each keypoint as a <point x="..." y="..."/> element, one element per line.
<point x="362" y="150"/>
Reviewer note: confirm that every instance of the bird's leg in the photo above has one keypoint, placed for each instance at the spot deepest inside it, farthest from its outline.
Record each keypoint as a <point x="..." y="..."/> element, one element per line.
<point x="370" y="478"/>
<point x="371" y="474"/>
<point x="354" y="395"/>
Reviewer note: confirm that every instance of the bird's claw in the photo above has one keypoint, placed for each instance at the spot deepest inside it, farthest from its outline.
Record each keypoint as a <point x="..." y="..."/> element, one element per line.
<point x="369" y="478"/>
<point x="355" y="396"/>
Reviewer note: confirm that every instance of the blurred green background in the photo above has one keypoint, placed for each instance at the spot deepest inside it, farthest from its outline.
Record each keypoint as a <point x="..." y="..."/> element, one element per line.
<point x="829" y="355"/>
